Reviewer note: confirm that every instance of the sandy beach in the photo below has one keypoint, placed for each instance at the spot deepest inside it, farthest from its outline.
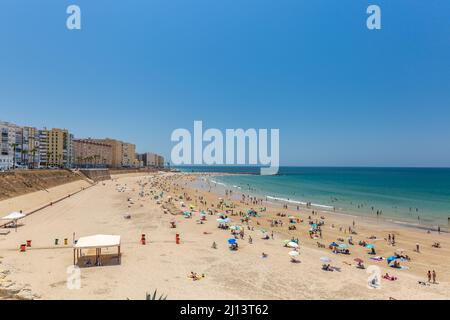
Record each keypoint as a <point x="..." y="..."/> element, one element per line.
<point x="41" y="271"/>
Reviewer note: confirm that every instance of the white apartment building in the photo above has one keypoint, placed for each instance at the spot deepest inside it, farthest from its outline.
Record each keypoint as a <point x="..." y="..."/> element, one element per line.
<point x="7" y="140"/>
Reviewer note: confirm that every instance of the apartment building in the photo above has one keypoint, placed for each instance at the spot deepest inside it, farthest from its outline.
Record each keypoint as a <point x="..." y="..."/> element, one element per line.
<point x="128" y="155"/>
<point x="59" y="147"/>
<point x="7" y="141"/>
<point x="92" y="153"/>
<point x="27" y="147"/>
<point x="149" y="159"/>
<point x="123" y="153"/>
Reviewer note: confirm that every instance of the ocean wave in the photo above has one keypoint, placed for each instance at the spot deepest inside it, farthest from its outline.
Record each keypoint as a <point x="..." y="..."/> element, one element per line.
<point x="300" y="202"/>
<point x="218" y="183"/>
<point x="286" y="200"/>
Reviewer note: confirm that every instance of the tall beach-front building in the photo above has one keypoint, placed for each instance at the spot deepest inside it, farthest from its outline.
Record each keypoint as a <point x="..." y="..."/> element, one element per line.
<point x="149" y="159"/>
<point x="8" y="139"/>
<point x="56" y="148"/>
<point x="123" y="153"/>
<point x="92" y="153"/>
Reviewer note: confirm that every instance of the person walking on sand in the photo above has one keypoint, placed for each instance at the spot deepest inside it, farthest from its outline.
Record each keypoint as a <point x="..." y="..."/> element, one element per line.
<point x="429" y="276"/>
<point x="434" y="276"/>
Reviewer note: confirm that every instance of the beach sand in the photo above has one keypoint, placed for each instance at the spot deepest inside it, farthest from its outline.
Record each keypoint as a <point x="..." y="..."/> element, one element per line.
<point x="41" y="271"/>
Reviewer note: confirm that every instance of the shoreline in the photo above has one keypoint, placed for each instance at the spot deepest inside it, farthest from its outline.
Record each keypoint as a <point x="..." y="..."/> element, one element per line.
<point x="389" y="220"/>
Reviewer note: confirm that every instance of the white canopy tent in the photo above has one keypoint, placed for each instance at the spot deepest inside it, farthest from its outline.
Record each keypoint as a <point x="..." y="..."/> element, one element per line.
<point x="14" y="216"/>
<point x="98" y="242"/>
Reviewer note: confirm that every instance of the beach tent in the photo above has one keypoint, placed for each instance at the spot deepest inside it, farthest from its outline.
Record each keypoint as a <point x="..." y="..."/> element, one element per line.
<point x="14" y="216"/>
<point x="96" y="242"/>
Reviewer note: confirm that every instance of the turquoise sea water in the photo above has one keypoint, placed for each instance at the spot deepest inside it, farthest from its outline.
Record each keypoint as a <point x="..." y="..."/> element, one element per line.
<point x="414" y="195"/>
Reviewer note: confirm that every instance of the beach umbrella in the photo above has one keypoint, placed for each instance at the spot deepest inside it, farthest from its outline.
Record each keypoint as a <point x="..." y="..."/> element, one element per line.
<point x="226" y="220"/>
<point x="342" y="245"/>
<point x="291" y="217"/>
<point x="232" y="241"/>
<point x="220" y="221"/>
<point x="293" y="253"/>
<point x="370" y="246"/>
<point x="390" y="259"/>
<point x="358" y="260"/>
<point x="325" y="259"/>
<point x="292" y="244"/>
<point x="334" y="244"/>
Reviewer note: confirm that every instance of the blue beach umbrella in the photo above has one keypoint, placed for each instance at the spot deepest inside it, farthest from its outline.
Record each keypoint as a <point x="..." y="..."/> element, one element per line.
<point x="334" y="244"/>
<point x="390" y="259"/>
<point x="232" y="241"/>
<point x="370" y="246"/>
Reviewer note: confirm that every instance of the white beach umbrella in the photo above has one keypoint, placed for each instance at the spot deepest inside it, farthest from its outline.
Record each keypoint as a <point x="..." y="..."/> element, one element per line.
<point x="294" y="254"/>
<point x="325" y="259"/>
<point x="292" y="244"/>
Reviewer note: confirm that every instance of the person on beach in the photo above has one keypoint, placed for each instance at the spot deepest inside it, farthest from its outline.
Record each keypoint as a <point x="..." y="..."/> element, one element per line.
<point x="429" y="276"/>
<point x="434" y="276"/>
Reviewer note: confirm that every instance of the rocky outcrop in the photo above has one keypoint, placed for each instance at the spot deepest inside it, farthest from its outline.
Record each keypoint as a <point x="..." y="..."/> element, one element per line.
<point x="13" y="290"/>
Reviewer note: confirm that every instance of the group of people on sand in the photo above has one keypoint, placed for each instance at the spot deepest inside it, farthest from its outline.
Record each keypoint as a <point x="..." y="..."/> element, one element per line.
<point x="315" y="231"/>
<point x="431" y="276"/>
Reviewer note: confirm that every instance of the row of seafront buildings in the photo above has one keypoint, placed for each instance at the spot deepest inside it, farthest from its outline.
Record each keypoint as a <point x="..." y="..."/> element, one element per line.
<point x="30" y="147"/>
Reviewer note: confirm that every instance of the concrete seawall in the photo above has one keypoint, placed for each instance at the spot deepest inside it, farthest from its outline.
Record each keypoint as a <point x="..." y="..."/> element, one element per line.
<point x="96" y="175"/>
<point x="20" y="182"/>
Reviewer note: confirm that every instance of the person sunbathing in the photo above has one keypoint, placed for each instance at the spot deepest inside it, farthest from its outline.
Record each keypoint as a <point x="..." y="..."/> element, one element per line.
<point x="194" y="276"/>
<point x="327" y="267"/>
<point x="390" y="278"/>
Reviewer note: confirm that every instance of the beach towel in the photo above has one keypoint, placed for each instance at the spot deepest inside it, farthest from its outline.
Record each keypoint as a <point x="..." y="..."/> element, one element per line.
<point x="400" y="268"/>
<point x="376" y="258"/>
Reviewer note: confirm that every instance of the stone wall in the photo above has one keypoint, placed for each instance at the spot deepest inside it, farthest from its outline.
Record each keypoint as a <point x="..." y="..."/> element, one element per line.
<point x="19" y="182"/>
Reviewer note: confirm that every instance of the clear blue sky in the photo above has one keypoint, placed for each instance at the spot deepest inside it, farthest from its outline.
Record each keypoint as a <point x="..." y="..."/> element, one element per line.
<point x="339" y="93"/>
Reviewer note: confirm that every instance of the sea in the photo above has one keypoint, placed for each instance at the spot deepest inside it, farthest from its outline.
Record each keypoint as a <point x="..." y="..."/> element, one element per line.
<point x="411" y="196"/>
